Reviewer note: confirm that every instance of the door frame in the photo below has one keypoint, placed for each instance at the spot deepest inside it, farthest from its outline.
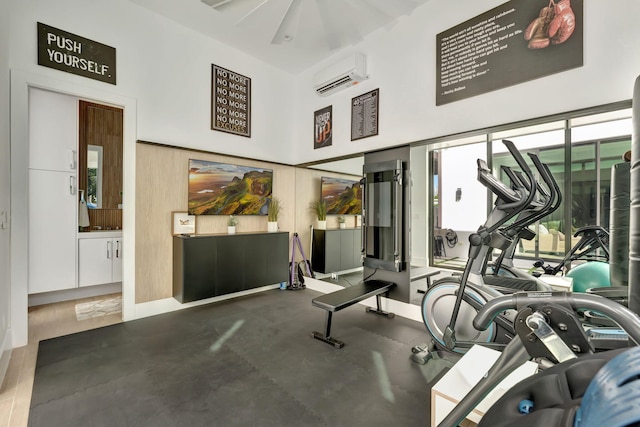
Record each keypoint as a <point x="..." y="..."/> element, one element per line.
<point x="21" y="81"/>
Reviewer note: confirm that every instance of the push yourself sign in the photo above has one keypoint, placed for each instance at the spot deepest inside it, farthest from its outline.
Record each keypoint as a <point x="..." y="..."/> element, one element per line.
<point x="73" y="54"/>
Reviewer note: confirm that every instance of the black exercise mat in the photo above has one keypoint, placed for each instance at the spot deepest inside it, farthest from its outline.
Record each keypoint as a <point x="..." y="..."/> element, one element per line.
<point x="248" y="361"/>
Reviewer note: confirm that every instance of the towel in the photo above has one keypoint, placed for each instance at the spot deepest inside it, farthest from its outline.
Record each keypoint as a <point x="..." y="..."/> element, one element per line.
<point x="83" y="213"/>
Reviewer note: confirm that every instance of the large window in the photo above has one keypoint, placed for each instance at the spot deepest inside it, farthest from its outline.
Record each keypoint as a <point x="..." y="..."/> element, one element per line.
<point x="579" y="149"/>
<point x="549" y="147"/>
<point x="458" y="199"/>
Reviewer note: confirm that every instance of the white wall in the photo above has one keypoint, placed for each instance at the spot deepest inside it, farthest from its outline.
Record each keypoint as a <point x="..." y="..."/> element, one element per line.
<point x="5" y="190"/>
<point x="401" y="62"/>
<point x="164" y="86"/>
<point x="459" y="170"/>
<point x="167" y="69"/>
<point x="164" y="76"/>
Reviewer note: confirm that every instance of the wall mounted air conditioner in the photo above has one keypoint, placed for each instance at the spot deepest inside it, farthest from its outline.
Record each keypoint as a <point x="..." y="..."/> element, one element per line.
<point x="341" y="75"/>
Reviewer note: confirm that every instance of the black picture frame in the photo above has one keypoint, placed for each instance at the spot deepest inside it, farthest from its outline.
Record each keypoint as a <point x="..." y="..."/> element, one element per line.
<point x="364" y="115"/>
<point x="230" y="102"/>
<point x="323" y="127"/>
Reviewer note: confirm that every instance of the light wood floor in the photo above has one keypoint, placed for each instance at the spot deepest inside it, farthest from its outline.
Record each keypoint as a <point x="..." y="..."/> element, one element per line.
<point x="45" y="321"/>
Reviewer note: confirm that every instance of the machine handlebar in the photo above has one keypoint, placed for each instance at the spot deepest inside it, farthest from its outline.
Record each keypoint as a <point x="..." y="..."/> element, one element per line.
<point x="625" y="318"/>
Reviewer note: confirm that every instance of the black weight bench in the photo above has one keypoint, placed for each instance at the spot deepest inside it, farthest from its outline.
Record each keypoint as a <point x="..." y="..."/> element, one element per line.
<point x="336" y="301"/>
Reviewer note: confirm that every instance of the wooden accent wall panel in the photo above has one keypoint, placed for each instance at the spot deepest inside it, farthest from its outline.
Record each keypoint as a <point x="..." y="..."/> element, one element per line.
<point x="161" y="189"/>
<point x="107" y="219"/>
<point x="102" y="125"/>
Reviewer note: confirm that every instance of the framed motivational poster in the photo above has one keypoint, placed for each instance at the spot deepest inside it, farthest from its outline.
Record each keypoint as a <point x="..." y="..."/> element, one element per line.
<point x="508" y="45"/>
<point x="230" y="102"/>
<point x="364" y="115"/>
<point x="323" y="127"/>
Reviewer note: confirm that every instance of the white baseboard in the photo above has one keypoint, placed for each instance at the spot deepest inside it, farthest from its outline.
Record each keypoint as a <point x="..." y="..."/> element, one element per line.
<point x="166" y="305"/>
<point x="76" y="293"/>
<point x="5" y="354"/>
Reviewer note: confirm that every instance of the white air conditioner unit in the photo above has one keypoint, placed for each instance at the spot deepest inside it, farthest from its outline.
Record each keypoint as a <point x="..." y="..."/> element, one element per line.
<point x="341" y="75"/>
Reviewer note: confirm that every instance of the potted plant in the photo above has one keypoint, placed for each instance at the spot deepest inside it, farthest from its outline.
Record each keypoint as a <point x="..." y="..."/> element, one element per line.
<point x="319" y="207"/>
<point x="232" y="221"/>
<point x="342" y="221"/>
<point x="273" y="210"/>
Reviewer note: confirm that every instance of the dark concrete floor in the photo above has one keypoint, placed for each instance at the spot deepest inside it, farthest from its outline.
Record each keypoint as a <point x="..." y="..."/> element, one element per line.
<point x="248" y="361"/>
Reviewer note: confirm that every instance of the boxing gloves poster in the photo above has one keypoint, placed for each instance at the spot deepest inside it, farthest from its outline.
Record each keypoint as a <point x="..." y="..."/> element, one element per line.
<point x="518" y="41"/>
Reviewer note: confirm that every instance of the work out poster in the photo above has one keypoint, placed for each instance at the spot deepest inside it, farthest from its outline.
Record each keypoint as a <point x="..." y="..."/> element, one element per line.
<point x="520" y="40"/>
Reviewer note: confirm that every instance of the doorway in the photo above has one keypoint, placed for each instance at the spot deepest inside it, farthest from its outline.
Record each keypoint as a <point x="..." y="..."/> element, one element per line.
<point x="21" y="83"/>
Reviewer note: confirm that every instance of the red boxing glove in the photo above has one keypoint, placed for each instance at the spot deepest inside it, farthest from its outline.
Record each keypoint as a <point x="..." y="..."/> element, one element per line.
<point x="536" y="33"/>
<point x="563" y="23"/>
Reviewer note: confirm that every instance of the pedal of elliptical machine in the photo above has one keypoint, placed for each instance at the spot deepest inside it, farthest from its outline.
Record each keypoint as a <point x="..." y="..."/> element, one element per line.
<point x="607" y="339"/>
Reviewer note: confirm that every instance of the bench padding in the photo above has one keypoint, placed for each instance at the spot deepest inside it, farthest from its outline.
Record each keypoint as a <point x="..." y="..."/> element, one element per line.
<point x="346" y="297"/>
<point x="343" y="298"/>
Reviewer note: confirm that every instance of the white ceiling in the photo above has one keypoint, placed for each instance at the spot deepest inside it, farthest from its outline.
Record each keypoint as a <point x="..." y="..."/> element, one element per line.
<point x="291" y="35"/>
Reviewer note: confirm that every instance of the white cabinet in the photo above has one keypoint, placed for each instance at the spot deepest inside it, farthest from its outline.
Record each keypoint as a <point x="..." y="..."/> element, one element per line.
<point x="99" y="259"/>
<point x="52" y="191"/>
<point x="53" y="131"/>
<point x="53" y="210"/>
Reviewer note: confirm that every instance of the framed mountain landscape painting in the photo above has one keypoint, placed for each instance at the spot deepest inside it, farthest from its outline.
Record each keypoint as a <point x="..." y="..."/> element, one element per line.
<point x="226" y="189"/>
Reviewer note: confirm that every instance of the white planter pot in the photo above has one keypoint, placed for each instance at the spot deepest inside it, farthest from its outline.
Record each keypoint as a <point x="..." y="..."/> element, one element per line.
<point x="322" y="225"/>
<point x="231" y="229"/>
<point x="272" y="226"/>
<point x="342" y="225"/>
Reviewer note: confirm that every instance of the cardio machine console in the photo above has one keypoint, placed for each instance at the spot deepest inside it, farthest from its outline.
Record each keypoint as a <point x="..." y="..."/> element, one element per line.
<point x="496" y="186"/>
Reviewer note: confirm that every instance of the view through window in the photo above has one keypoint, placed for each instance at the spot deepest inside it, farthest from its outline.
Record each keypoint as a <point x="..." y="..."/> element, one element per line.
<point x="579" y="152"/>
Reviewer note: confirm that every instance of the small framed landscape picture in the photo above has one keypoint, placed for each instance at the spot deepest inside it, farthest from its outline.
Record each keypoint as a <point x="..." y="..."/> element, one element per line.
<point x="183" y="223"/>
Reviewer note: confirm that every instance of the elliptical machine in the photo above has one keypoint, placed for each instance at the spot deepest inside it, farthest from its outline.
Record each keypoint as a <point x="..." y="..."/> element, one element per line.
<point x="592" y="246"/>
<point x="502" y="271"/>
<point x="449" y="306"/>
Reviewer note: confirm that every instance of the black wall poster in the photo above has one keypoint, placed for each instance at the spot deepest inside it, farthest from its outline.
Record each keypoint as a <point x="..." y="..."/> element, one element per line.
<point x="230" y="102"/>
<point x="518" y="41"/>
<point x="364" y="115"/>
<point x="74" y="54"/>
<point x="323" y="127"/>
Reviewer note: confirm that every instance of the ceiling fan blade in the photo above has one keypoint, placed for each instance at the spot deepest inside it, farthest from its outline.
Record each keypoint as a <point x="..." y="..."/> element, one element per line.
<point x="310" y="30"/>
<point x="252" y="11"/>
<point x="215" y="3"/>
<point x="397" y="8"/>
<point x="369" y="17"/>
<point x="288" y="26"/>
<point x="264" y="18"/>
<point x="337" y="21"/>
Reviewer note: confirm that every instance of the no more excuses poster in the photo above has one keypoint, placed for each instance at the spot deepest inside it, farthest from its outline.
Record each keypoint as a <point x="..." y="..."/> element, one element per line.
<point x="230" y="102"/>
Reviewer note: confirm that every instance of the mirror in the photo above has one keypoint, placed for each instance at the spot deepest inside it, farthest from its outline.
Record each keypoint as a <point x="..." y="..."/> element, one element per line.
<point x="350" y="166"/>
<point x="419" y="244"/>
<point x="308" y="188"/>
<point x="94" y="177"/>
